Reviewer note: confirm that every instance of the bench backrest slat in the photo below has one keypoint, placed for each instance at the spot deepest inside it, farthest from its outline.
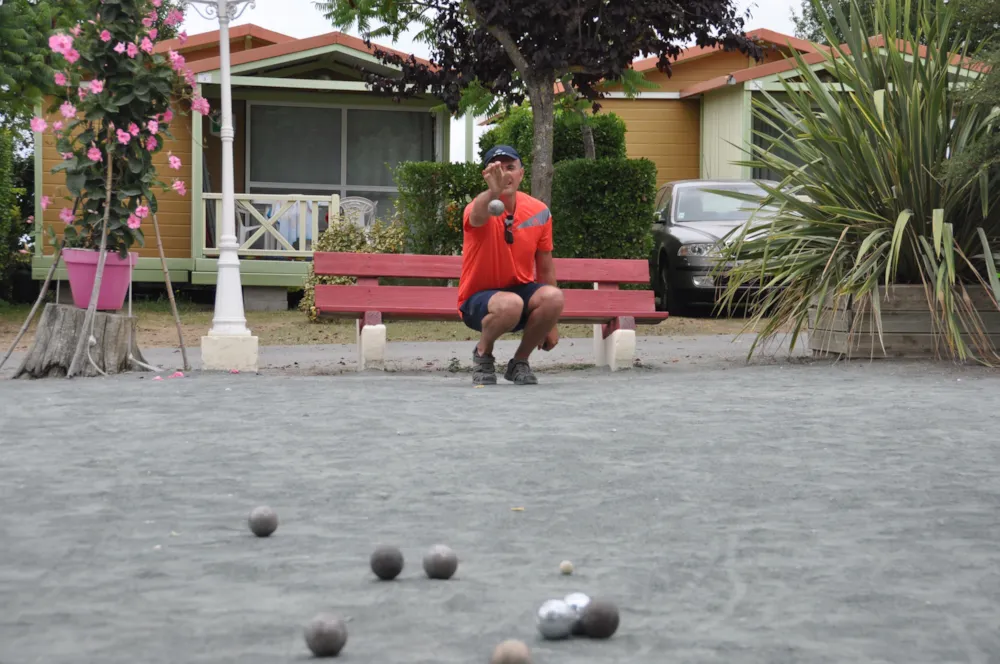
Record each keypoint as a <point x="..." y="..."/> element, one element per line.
<point x="415" y="266"/>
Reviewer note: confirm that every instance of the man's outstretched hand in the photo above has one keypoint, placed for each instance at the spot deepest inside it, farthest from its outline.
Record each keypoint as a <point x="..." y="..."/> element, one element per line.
<point x="550" y="340"/>
<point x="493" y="174"/>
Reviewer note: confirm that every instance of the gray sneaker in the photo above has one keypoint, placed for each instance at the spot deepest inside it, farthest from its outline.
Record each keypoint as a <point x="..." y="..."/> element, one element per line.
<point x="519" y="372"/>
<point x="484" y="370"/>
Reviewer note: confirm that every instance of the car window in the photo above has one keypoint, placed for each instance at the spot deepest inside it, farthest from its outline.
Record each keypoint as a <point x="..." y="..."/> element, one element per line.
<point x="662" y="210"/>
<point x="696" y="204"/>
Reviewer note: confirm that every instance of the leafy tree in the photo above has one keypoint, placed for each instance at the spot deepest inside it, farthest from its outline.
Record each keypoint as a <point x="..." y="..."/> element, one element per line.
<point x="25" y="71"/>
<point x="983" y="155"/>
<point x="970" y="18"/>
<point x="518" y="49"/>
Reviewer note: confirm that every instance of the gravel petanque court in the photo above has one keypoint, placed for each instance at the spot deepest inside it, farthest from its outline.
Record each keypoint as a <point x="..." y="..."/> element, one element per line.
<point x="782" y="513"/>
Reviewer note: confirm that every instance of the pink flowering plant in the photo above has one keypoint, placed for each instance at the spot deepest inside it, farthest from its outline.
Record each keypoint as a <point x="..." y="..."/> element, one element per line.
<point x="115" y="111"/>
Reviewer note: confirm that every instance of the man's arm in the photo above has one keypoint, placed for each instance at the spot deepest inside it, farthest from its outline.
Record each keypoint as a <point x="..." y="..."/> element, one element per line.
<point x="480" y="213"/>
<point x="545" y="267"/>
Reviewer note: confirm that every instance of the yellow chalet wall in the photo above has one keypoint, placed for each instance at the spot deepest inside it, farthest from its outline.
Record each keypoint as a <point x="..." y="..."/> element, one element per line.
<point x="174" y="213"/>
<point x="665" y="131"/>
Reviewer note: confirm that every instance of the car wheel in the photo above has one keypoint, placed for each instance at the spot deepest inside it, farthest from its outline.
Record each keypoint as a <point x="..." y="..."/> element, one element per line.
<point x="669" y="301"/>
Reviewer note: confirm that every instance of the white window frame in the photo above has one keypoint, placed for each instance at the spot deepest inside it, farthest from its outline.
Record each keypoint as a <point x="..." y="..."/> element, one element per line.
<point x="343" y="187"/>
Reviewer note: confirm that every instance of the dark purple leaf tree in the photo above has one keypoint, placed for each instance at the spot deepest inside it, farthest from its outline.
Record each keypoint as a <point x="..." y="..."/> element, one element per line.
<point x="517" y="49"/>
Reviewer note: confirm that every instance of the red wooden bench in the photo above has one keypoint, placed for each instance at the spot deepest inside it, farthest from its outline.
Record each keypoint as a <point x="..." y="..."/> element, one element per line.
<point x="613" y="312"/>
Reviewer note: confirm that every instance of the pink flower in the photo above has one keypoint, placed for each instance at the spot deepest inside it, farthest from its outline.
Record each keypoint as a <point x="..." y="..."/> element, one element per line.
<point x="120" y="48"/>
<point x="200" y="105"/>
<point x="60" y="78"/>
<point x="189" y="77"/>
<point x="67" y="156"/>
<point x="58" y="125"/>
<point x="60" y="43"/>
<point x="94" y="154"/>
<point x="81" y="92"/>
<point x="132" y="50"/>
<point x="134" y="222"/>
<point x="151" y="143"/>
<point x="30" y="219"/>
<point x="153" y="126"/>
<point x="124" y="137"/>
<point x="153" y="33"/>
<point x="175" y="162"/>
<point x="176" y="60"/>
<point x="76" y="30"/>
<point x="66" y="215"/>
<point x="68" y="110"/>
<point x="182" y="37"/>
<point x="45" y="202"/>
<point x="133" y="129"/>
<point x="97" y="87"/>
<point x="168" y="116"/>
<point x="142" y="211"/>
<point x="38" y="124"/>
<point x="175" y="17"/>
<point x="147" y="45"/>
<point x="157" y="3"/>
<point x="179" y="187"/>
<point x="71" y="56"/>
<point x="105" y="36"/>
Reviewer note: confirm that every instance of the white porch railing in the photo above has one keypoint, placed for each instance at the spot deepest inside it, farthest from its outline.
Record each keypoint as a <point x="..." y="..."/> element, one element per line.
<point x="271" y="225"/>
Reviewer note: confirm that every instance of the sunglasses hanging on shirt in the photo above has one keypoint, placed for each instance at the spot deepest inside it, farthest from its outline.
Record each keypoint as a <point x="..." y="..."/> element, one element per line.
<point x="508" y="232"/>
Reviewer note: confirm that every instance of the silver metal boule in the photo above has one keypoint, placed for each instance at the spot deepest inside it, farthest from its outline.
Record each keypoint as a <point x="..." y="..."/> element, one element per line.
<point x="556" y="619"/>
<point x="578" y="602"/>
<point x="496" y="207"/>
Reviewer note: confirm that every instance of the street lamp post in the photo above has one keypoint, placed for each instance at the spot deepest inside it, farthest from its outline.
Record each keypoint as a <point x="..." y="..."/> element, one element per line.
<point x="229" y="344"/>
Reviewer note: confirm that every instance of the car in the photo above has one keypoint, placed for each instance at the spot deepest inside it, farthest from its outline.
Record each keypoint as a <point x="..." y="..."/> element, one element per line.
<point x="689" y="222"/>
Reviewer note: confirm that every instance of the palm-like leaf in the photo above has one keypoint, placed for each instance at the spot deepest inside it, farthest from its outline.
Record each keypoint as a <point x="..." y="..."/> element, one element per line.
<point x="863" y="201"/>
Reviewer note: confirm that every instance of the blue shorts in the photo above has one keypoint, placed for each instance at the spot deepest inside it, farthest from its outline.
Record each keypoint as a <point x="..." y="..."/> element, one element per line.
<point x="474" y="309"/>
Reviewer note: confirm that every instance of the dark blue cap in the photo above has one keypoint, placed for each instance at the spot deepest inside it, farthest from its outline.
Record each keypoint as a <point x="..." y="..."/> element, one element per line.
<point x="500" y="151"/>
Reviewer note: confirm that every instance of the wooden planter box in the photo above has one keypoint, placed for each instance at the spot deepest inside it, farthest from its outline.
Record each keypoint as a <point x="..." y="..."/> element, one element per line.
<point x="908" y="327"/>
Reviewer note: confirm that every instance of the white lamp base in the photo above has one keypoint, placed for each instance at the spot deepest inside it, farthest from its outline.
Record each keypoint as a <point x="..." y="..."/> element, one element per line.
<point x="225" y="353"/>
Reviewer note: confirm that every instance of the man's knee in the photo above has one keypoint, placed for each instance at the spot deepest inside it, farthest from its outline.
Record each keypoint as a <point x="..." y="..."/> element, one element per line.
<point x="507" y="308"/>
<point x="548" y="299"/>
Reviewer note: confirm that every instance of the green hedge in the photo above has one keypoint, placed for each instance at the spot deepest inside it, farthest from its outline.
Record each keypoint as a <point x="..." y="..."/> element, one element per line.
<point x="517" y="129"/>
<point x="603" y="208"/>
<point x="9" y="213"/>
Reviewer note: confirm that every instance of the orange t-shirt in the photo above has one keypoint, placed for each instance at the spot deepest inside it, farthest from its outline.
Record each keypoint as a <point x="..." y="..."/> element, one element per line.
<point x="488" y="262"/>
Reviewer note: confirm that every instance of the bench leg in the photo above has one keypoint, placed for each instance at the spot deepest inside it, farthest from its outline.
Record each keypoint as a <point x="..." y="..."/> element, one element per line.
<point x="371" y="341"/>
<point x="614" y="343"/>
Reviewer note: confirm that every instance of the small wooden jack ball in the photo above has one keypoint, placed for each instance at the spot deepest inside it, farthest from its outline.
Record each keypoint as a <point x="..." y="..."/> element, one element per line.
<point x="511" y="652"/>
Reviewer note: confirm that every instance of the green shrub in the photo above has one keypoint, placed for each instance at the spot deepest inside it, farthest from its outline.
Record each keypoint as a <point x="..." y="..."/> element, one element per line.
<point x="9" y="213"/>
<point x="518" y="131"/>
<point x="342" y="235"/>
<point x="432" y="198"/>
<point x="603" y="208"/>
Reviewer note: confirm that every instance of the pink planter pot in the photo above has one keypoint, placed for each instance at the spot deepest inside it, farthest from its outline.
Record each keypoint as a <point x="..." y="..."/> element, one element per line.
<point x="81" y="266"/>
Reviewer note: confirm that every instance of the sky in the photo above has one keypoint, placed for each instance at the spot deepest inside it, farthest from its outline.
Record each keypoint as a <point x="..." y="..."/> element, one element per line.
<point x="301" y="18"/>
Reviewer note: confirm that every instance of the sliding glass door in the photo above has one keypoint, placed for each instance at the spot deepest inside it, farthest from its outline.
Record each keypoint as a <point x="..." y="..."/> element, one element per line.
<point x="325" y="150"/>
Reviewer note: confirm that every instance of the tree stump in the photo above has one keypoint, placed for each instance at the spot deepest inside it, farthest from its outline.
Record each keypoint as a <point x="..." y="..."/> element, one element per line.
<point x="55" y="342"/>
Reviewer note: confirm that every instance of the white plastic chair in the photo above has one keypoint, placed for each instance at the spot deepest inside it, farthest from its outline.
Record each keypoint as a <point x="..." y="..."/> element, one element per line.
<point x="358" y="209"/>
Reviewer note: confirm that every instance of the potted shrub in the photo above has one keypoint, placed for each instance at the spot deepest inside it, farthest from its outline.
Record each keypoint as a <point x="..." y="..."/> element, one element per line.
<point x="113" y="113"/>
<point x="875" y="249"/>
